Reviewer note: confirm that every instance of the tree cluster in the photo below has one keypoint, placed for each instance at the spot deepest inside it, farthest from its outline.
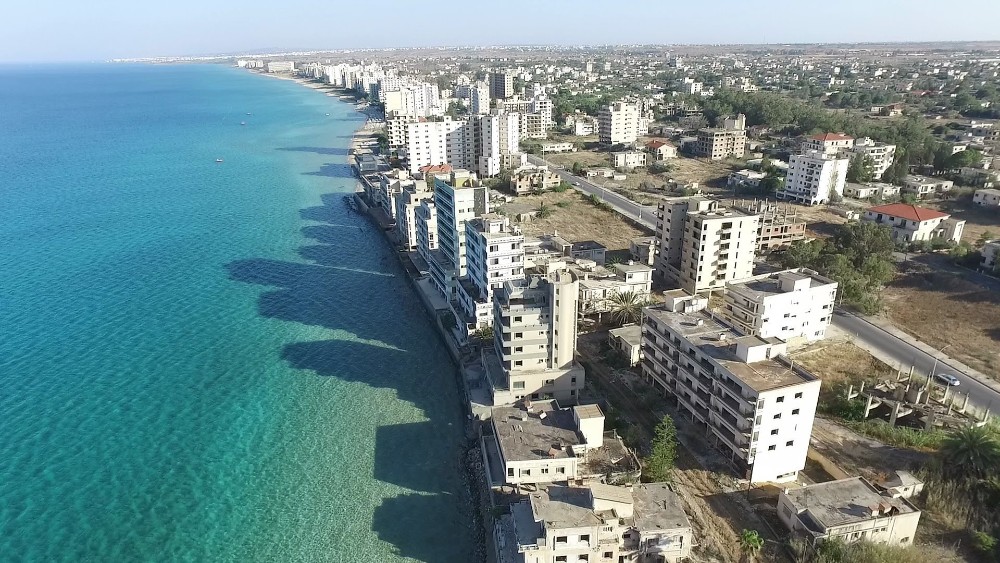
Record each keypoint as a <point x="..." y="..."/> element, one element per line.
<point x="663" y="455"/>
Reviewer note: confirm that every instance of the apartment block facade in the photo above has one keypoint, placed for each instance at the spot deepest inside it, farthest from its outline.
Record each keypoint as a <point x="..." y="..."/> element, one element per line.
<point x="830" y="144"/>
<point x="881" y="154"/>
<point x="501" y="85"/>
<point x="494" y="255"/>
<point x="618" y="124"/>
<point x="462" y="198"/>
<point x="717" y="143"/>
<point x="407" y="204"/>
<point x="790" y="305"/>
<point x="754" y="404"/>
<point x="814" y="177"/>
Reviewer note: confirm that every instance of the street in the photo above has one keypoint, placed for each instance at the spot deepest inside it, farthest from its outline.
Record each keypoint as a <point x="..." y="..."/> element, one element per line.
<point x="906" y="354"/>
<point x="644" y="215"/>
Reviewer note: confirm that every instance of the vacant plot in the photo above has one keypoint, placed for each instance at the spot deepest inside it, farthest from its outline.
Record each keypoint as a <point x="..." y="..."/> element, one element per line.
<point x="942" y="309"/>
<point x="978" y="221"/>
<point x="839" y="362"/>
<point x="576" y="219"/>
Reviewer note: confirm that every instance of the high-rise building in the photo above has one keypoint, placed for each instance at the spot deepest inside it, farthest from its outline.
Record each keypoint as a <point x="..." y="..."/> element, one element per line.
<point x="617" y="124"/>
<point x="407" y="206"/>
<point x="814" y="178"/>
<point x="542" y="105"/>
<point x="499" y="138"/>
<point x="462" y="198"/>
<point x="790" y="305"/>
<point x="756" y="404"/>
<point x="501" y="85"/>
<point x="494" y="255"/>
<point x="703" y="246"/>
<point x="479" y="98"/>
<point x="717" y="143"/>
<point x="881" y="155"/>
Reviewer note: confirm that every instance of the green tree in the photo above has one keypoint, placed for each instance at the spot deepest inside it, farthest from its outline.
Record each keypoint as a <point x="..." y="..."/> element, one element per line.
<point x="961" y="159"/>
<point x="663" y="452"/>
<point x="971" y="452"/>
<point x="802" y="253"/>
<point x="543" y="211"/>
<point x="861" y="169"/>
<point x="484" y="334"/>
<point x="578" y="168"/>
<point x="626" y="307"/>
<point x="750" y="544"/>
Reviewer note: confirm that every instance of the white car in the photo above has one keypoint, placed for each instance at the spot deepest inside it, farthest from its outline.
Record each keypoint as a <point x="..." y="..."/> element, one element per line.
<point x="947" y="379"/>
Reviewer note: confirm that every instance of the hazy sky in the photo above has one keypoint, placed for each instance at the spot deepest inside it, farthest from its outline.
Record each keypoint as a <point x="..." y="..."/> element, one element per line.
<point x="73" y="30"/>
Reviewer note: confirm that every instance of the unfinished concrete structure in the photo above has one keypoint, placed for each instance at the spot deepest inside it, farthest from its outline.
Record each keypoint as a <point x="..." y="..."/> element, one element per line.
<point x="779" y="226"/>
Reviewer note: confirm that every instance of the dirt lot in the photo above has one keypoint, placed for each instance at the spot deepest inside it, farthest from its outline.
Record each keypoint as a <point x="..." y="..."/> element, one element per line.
<point x="576" y="219"/>
<point x="942" y="309"/>
<point x="821" y="220"/>
<point x="836" y="362"/>
<point x="977" y="220"/>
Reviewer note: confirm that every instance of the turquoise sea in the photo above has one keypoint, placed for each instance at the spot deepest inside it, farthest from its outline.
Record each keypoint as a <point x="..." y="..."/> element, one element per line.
<point x="203" y="361"/>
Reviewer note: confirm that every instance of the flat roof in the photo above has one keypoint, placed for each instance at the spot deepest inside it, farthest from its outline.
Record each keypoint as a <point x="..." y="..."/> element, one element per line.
<point x="658" y="508"/>
<point x="635" y="267"/>
<point x="843" y="502"/>
<point x="769" y="284"/>
<point x="629" y="333"/>
<point x="525" y="434"/>
<point x="588" y="411"/>
<point x="611" y="493"/>
<point x="703" y="331"/>
<point x="563" y="507"/>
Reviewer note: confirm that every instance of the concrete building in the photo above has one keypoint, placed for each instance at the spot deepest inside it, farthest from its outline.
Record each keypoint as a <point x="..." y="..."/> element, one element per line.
<point x="717" y="143"/>
<point x="987" y="198"/>
<point x="628" y="159"/>
<point x="494" y="255"/>
<point x="534" y="328"/>
<point x="745" y="178"/>
<point x="427" y="243"/>
<point x="866" y="191"/>
<point x="462" y="198"/>
<point x="830" y="144"/>
<point x="643" y="250"/>
<point x="617" y="124"/>
<point x="279" y="66"/>
<point x="792" y="305"/>
<point x="407" y="204"/>
<point x="703" y="246"/>
<point x="881" y="154"/>
<point x="754" y="404"/>
<point x="628" y="341"/>
<point x="443" y="141"/>
<point x="991" y="255"/>
<point x="602" y="523"/>
<point x="501" y="85"/>
<point x="849" y="510"/>
<point x="533" y="179"/>
<point x="479" y="98"/>
<point x="496" y="142"/>
<point x="661" y="150"/>
<point x="597" y="293"/>
<point x="814" y="177"/>
<point x="391" y="184"/>
<point x="910" y="223"/>
<point x="923" y="187"/>
<point x="541" y="105"/>
<point x="779" y="224"/>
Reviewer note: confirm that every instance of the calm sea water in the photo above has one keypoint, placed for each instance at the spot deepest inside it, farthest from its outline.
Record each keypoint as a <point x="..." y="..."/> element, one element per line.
<point x="202" y="361"/>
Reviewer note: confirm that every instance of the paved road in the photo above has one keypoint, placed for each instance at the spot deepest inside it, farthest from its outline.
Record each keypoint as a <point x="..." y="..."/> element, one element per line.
<point x="644" y="214"/>
<point x="907" y="354"/>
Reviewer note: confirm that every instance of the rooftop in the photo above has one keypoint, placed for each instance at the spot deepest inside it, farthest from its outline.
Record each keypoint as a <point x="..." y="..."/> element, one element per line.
<point x="909" y="212"/>
<point x="657" y="507"/>
<point x="718" y="341"/>
<point x="840" y="503"/>
<point x="828" y="137"/>
<point x="541" y="431"/>
<point x="768" y="285"/>
<point x="629" y="333"/>
<point x="563" y="507"/>
<point x="588" y="245"/>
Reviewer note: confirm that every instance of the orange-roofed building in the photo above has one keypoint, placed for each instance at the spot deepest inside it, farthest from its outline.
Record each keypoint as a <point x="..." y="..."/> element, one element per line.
<point x="910" y="223"/>
<point x="828" y="143"/>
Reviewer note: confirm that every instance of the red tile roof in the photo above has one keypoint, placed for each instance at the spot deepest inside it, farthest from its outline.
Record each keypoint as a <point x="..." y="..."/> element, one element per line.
<point x="435" y="169"/>
<point x="832" y="137"/>
<point x="657" y="143"/>
<point x="909" y="212"/>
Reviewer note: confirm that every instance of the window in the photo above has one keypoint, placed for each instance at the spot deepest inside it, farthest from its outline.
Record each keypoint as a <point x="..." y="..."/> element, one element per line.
<point x="525" y="473"/>
<point x="560" y="558"/>
<point x="519" y="363"/>
<point x="585" y="537"/>
<point x="777" y="416"/>
<point x="781" y="399"/>
<point x="790" y="443"/>
<point x="510" y="471"/>
<point x="560" y="539"/>
<point x="561" y="470"/>
<point x="771" y="448"/>
<point x="798" y="395"/>
<point x="517" y="384"/>
<point x="609" y="554"/>
<point x="795" y="411"/>
<point x="774" y="432"/>
<point x="545" y="471"/>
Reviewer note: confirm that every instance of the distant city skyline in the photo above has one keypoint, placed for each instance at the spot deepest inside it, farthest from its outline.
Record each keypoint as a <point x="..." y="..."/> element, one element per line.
<point x="58" y="30"/>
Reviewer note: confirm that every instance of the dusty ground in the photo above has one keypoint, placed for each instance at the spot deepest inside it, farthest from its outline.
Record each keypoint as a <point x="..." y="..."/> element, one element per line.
<point x="942" y="309"/>
<point x="859" y="455"/>
<point x="576" y="219"/>
<point x="978" y="221"/>
<point x="840" y="361"/>
<point x="821" y="221"/>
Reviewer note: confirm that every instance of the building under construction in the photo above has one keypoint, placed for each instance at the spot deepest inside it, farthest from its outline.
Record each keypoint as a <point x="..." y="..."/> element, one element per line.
<point x="779" y="223"/>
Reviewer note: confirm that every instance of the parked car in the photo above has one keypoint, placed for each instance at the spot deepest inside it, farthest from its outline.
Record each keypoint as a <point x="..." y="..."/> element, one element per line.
<point x="947" y="379"/>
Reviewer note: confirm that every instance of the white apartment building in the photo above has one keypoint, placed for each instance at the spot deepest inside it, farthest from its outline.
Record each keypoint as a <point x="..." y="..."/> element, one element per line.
<point x="408" y="203"/>
<point x="987" y="197"/>
<point x="790" y="305"/>
<point x="391" y="184"/>
<point x="499" y="139"/>
<point x="597" y="293"/>
<point x="849" y="510"/>
<point x="830" y="144"/>
<point x="462" y="198"/>
<point x="534" y="328"/>
<point x="814" y="177"/>
<point x="628" y="159"/>
<point x="617" y="124"/>
<point x="881" y="154"/>
<point x="542" y="105"/>
<point x="922" y="186"/>
<point x="479" y="98"/>
<point x="501" y="85"/>
<point x="279" y="66"/>
<point x="427" y="243"/>
<point x="437" y="142"/>
<point x="756" y="405"/>
<point x="703" y="246"/>
<point x="910" y="223"/>
<point x="991" y="255"/>
<point x="494" y="255"/>
<point x="603" y="524"/>
<point x="583" y="127"/>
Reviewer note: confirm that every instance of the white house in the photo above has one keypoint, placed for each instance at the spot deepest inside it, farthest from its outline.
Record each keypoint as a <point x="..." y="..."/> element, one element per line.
<point x="814" y="178"/>
<point x="910" y="223"/>
<point x="987" y="197"/>
<point x="628" y="159"/>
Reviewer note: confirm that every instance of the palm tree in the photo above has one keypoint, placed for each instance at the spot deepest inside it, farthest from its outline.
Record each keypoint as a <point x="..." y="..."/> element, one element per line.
<point x="750" y="544"/>
<point x="626" y="307"/>
<point x="973" y="452"/>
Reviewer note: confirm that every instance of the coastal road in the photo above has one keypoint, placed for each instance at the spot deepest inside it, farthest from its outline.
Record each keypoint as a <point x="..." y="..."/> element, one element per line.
<point x="643" y="214"/>
<point x="906" y="354"/>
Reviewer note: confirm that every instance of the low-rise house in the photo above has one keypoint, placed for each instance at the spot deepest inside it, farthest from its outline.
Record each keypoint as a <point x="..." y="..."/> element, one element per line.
<point x="587" y="250"/>
<point x="558" y="147"/>
<point x="533" y="179"/>
<point x="849" y="510"/>
<point x="601" y="523"/>
<point x="991" y="255"/>
<point x="597" y="292"/>
<point x="791" y="305"/>
<point x="628" y="159"/>
<point x="745" y="177"/>
<point x="923" y="187"/>
<point x="600" y="171"/>
<point x="661" y="150"/>
<point x="643" y="250"/>
<point x="628" y="341"/>
<point x="901" y="484"/>
<point x="539" y="442"/>
<point x="866" y="191"/>
<point x="987" y="197"/>
<point x="910" y="223"/>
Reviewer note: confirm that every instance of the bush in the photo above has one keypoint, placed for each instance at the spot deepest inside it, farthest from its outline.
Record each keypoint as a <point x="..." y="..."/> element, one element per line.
<point x="984" y="543"/>
<point x="900" y="436"/>
<point x="562" y="187"/>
